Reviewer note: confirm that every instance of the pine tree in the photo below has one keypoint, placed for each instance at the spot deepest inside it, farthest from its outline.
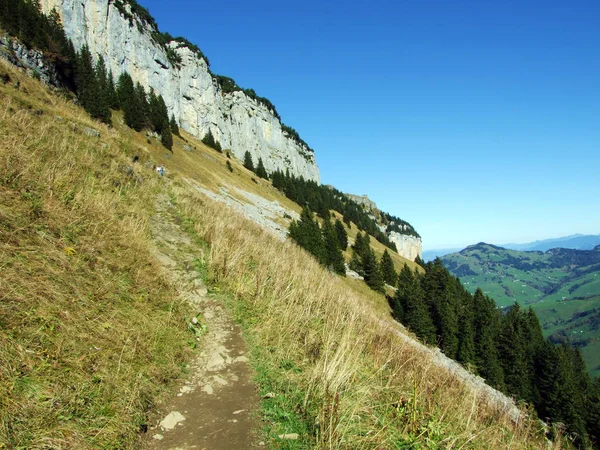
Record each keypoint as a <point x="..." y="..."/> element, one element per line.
<point x="334" y="259"/>
<point x="356" y="264"/>
<point x="487" y="328"/>
<point x="260" y="169"/>
<point x="513" y="353"/>
<point x="113" y="98"/>
<point x="387" y="269"/>
<point x="342" y="235"/>
<point x="128" y="101"/>
<point x="248" y="163"/>
<point x="373" y="275"/>
<point x="143" y="116"/>
<point x="307" y="234"/>
<point x="410" y="304"/>
<point x="442" y="302"/>
<point x="102" y="96"/>
<point x="466" y="330"/>
<point x="174" y="126"/>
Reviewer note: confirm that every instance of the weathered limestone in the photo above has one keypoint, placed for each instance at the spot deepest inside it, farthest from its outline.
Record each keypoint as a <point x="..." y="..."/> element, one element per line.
<point x="238" y="122"/>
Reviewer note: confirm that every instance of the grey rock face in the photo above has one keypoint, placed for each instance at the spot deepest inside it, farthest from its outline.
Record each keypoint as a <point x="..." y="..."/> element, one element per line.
<point x="408" y="246"/>
<point x="237" y="122"/>
<point x="32" y="61"/>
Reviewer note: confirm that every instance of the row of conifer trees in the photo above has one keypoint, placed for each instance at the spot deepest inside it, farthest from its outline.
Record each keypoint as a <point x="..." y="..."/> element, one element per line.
<point x="93" y="84"/>
<point x="505" y="347"/>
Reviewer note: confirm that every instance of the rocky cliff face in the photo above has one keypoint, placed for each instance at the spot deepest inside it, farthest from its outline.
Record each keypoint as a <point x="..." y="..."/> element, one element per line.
<point x="191" y="93"/>
<point x="30" y="60"/>
<point x="408" y="246"/>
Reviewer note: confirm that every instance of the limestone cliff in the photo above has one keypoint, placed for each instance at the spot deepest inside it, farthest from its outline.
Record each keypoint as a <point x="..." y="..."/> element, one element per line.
<point x="403" y="235"/>
<point x="192" y="94"/>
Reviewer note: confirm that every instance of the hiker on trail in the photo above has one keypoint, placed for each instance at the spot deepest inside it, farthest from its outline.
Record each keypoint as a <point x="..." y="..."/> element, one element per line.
<point x="161" y="170"/>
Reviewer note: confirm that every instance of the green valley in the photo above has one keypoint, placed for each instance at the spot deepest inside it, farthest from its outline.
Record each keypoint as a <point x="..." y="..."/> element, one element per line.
<point x="561" y="285"/>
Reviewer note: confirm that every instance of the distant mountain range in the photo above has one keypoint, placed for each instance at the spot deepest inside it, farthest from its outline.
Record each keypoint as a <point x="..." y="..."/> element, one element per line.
<point x="562" y="285"/>
<point x="575" y="241"/>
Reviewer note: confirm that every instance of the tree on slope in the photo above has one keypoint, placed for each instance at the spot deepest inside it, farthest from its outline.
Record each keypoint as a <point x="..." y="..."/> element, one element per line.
<point x="342" y="235"/>
<point x="334" y="259"/>
<point x="248" y="163"/>
<point x="486" y="327"/>
<point x="307" y="234"/>
<point x="387" y="269"/>
<point x="410" y="305"/>
<point x="260" y="169"/>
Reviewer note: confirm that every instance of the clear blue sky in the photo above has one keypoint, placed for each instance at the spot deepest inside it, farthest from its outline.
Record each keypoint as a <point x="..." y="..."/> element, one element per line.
<point x="473" y="120"/>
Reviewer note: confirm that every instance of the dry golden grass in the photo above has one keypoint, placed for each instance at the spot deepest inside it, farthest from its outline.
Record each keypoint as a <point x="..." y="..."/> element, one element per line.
<point x="364" y="385"/>
<point x="90" y="332"/>
<point x="90" y="335"/>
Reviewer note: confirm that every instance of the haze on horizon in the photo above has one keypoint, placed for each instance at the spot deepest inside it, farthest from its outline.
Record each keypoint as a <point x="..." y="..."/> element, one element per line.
<point x="473" y="121"/>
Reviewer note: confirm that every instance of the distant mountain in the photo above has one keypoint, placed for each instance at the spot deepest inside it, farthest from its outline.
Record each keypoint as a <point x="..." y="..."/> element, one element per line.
<point x="430" y="255"/>
<point x="562" y="286"/>
<point x="575" y="241"/>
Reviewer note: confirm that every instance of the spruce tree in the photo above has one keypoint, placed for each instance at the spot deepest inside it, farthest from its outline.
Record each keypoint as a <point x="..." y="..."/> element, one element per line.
<point x="410" y="298"/>
<point x="356" y="264"/>
<point x="174" y="126"/>
<point x="248" y="163"/>
<point x="102" y="96"/>
<point x="342" y="235"/>
<point x="466" y="330"/>
<point x="373" y="275"/>
<point x="143" y="117"/>
<point x="334" y="259"/>
<point x="443" y="303"/>
<point x="513" y="353"/>
<point x="129" y="101"/>
<point x="387" y="269"/>
<point x="113" y="98"/>
<point x="487" y="328"/>
<point x="260" y="169"/>
<point x="307" y="234"/>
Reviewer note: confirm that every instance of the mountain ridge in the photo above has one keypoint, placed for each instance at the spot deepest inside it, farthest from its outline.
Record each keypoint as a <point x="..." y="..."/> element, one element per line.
<point x="239" y="120"/>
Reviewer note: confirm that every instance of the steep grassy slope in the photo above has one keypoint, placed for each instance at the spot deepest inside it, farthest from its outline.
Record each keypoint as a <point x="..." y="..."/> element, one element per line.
<point x="92" y="334"/>
<point x="561" y="285"/>
<point x="90" y="331"/>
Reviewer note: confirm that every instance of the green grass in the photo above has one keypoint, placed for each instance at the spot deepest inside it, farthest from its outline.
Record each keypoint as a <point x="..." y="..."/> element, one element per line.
<point x="557" y="294"/>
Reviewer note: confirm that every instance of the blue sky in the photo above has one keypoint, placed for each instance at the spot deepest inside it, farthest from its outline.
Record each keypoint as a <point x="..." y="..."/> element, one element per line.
<point x="473" y="120"/>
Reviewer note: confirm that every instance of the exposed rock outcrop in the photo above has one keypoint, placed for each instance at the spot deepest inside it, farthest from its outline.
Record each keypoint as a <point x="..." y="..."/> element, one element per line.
<point x="129" y="43"/>
<point x="30" y="60"/>
<point x="408" y="246"/>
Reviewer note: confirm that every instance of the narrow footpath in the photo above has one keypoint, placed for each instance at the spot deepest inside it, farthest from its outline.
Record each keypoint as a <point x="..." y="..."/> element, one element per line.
<point x="216" y="405"/>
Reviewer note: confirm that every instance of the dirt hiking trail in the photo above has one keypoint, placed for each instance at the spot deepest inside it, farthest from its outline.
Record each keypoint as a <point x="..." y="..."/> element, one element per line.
<point x="216" y="405"/>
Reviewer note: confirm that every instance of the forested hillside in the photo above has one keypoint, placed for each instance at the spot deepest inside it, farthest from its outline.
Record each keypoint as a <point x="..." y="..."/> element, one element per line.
<point x="561" y="285"/>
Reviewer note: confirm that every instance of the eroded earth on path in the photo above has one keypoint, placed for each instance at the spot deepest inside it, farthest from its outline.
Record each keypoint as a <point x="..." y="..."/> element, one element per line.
<point x="215" y="407"/>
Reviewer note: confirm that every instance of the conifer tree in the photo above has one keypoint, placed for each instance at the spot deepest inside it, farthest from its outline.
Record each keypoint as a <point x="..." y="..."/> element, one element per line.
<point x="174" y="126"/>
<point x="466" y="329"/>
<point x="342" y="235"/>
<point x="307" y="234"/>
<point x="102" y="96"/>
<point x="248" y="163"/>
<point x="356" y="264"/>
<point x="513" y="354"/>
<point x="411" y="305"/>
<point x="442" y="302"/>
<point x="260" y="169"/>
<point x="387" y="269"/>
<point x="487" y="327"/>
<point x="334" y="259"/>
<point x="373" y="275"/>
<point x="141" y="99"/>
<point x="113" y="99"/>
<point x="128" y="99"/>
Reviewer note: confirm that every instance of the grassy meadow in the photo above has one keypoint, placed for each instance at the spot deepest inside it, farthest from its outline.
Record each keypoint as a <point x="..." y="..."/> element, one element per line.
<point x="92" y="333"/>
